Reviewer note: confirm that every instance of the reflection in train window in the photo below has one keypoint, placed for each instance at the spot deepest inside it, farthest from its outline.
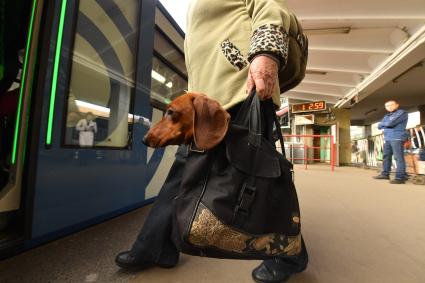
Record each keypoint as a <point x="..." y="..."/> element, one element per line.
<point x="103" y="74"/>
<point x="169" y="51"/>
<point x="169" y="75"/>
<point x="166" y="84"/>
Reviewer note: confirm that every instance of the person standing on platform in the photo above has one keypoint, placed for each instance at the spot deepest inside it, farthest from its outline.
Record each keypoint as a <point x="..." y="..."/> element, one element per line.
<point x="394" y="126"/>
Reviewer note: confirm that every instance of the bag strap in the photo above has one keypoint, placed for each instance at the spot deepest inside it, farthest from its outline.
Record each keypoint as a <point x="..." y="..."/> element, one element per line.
<point x="279" y="134"/>
<point x="255" y="123"/>
<point x="249" y="116"/>
<point x="251" y="113"/>
<point x="270" y="108"/>
<point x="242" y="116"/>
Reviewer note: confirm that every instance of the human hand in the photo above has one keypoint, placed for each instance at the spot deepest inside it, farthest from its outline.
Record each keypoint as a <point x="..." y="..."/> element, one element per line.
<point x="262" y="76"/>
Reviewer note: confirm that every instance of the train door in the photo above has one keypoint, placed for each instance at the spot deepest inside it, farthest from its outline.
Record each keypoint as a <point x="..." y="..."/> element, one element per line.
<point x="20" y="26"/>
<point x="325" y="145"/>
<point x="321" y="145"/>
<point x="98" y="96"/>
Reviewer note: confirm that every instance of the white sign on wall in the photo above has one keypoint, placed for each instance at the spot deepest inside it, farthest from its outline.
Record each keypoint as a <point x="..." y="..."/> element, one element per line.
<point x="304" y="119"/>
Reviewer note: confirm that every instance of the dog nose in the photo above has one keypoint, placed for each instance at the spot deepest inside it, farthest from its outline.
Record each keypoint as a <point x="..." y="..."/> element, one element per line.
<point x="144" y="140"/>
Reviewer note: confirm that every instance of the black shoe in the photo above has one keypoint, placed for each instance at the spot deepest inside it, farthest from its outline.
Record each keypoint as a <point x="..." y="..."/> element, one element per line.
<point x="127" y="261"/>
<point x="397" y="181"/>
<point x="381" y="177"/>
<point x="270" y="273"/>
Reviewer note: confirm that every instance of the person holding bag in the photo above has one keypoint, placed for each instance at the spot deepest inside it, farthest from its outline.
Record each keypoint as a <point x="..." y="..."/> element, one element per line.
<point x="231" y="48"/>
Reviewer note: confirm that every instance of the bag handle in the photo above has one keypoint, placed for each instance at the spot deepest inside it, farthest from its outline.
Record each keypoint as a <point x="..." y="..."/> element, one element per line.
<point x="279" y="134"/>
<point x="254" y="126"/>
<point x="242" y="118"/>
<point x="249" y="115"/>
<point x="270" y="108"/>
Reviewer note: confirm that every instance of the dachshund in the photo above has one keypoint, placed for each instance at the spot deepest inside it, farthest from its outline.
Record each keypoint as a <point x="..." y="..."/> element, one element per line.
<point x="191" y="117"/>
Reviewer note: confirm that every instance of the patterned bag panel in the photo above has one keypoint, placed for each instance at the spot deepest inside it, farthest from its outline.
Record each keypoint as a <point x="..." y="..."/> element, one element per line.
<point x="208" y="231"/>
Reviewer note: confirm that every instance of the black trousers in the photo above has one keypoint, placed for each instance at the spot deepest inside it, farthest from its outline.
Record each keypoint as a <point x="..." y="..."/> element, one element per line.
<point x="154" y="242"/>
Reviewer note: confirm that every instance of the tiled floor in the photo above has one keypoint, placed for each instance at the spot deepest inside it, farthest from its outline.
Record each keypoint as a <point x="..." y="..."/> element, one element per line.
<point x="357" y="230"/>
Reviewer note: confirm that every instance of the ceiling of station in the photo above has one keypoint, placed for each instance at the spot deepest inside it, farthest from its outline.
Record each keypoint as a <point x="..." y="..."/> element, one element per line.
<point x="356" y="49"/>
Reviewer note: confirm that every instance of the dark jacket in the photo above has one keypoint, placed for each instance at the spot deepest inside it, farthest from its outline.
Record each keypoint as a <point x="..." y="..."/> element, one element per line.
<point x="394" y="125"/>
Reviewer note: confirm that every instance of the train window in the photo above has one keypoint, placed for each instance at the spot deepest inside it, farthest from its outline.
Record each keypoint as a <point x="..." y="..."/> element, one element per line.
<point x="169" y="75"/>
<point x="169" y="51"/>
<point x="166" y="84"/>
<point x="102" y="77"/>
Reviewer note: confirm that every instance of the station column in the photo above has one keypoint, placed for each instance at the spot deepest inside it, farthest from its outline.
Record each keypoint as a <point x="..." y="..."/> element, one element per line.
<point x="344" y="122"/>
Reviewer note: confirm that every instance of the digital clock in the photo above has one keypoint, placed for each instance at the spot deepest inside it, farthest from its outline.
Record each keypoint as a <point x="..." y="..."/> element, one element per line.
<point x="309" y="107"/>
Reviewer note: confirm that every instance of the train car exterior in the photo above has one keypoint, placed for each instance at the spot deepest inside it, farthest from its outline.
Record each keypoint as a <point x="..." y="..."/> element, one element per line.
<point x="96" y="74"/>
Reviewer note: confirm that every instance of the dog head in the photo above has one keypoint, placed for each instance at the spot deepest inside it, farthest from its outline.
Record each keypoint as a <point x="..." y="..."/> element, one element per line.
<point x="190" y="117"/>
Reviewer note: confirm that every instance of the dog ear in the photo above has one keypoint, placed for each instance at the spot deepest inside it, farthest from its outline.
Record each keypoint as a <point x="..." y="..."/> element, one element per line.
<point x="210" y="122"/>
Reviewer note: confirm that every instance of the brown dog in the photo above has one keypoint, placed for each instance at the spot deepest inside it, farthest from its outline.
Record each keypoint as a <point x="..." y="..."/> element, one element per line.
<point x="190" y="117"/>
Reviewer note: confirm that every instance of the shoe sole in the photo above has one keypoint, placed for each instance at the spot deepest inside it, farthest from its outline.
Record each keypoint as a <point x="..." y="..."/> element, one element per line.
<point x="261" y="281"/>
<point x="140" y="268"/>
<point x="258" y="281"/>
<point x="133" y="268"/>
<point x="276" y="281"/>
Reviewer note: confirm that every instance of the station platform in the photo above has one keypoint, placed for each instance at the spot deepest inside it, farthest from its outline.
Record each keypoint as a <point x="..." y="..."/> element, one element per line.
<point x="357" y="229"/>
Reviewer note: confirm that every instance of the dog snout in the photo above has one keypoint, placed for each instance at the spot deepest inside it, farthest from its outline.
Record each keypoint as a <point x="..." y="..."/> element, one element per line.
<point x="150" y="140"/>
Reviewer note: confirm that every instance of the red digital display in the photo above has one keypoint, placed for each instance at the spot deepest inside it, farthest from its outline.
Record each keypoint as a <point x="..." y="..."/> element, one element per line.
<point x="309" y="107"/>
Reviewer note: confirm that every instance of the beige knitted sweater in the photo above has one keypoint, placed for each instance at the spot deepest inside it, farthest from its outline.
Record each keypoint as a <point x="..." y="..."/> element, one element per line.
<point x="223" y="36"/>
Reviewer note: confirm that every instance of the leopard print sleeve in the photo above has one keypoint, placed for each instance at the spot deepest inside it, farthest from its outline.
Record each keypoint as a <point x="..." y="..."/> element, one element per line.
<point x="233" y="55"/>
<point x="270" y="38"/>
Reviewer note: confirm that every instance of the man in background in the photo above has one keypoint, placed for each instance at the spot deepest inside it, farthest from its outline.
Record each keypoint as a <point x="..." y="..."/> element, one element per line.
<point x="394" y="126"/>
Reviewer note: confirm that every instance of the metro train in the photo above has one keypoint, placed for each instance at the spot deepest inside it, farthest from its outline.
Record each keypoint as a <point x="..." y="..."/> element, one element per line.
<point x="94" y="75"/>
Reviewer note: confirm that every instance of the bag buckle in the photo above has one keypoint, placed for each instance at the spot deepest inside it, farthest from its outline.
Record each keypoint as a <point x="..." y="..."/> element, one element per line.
<point x="246" y="199"/>
<point x="193" y="148"/>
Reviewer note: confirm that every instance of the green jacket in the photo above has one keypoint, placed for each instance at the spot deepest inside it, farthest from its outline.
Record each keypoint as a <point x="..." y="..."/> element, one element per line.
<point x="224" y="35"/>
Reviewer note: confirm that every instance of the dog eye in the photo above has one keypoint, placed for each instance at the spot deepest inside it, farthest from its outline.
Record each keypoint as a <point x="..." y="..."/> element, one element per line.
<point x="172" y="115"/>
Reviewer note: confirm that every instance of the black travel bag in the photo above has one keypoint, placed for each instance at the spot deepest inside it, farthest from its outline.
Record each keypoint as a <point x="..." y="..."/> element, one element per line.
<point x="238" y="199"/>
